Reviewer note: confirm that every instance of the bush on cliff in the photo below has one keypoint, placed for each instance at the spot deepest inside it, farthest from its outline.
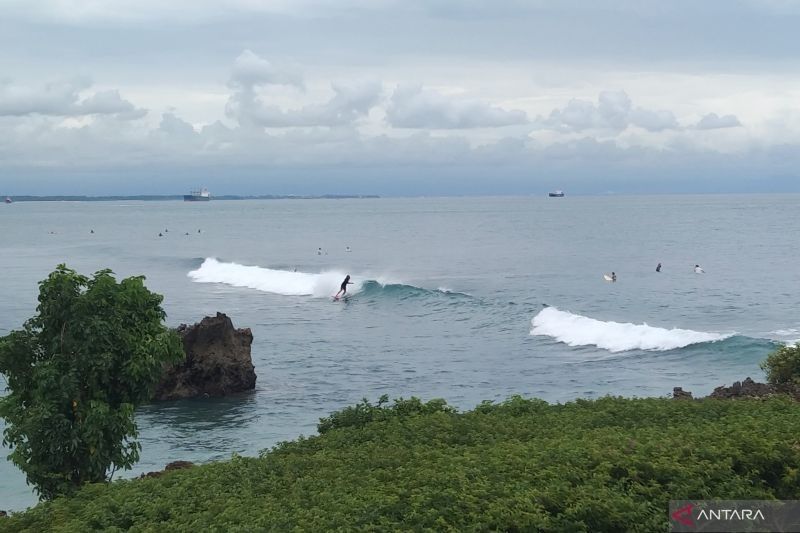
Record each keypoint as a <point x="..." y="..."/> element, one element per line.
<point x="783" y="366"/>
<point x="607" y="465"/>
<point x="75" y="373"/>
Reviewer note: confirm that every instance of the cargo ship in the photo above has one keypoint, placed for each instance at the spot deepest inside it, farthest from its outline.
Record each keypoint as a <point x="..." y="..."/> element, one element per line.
<point x="556" y="194"/>
<point x="200" y="195"/>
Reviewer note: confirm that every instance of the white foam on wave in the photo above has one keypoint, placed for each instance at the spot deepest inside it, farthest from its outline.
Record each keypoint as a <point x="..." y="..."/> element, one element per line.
<point x="577" y="330"/>
<point x="283" y="282"/>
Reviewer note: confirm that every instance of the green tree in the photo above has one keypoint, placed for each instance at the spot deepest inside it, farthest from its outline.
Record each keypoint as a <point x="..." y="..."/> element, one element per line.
<point x="783" y="365"/>
<point x="76" y="371"/>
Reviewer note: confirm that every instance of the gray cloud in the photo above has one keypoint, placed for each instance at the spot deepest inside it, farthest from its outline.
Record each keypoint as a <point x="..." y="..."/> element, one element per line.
<point x="239" y="160"/>
<point x="348" y="104"/>
<point x="504" y="48"/>
<point x="54" y="98"/>
<point x="613" y="111"/>
<point x="414" y="107"/>
<point x="713" y="121"/>
<point x="62" y="99"/>
<point x="174" y="126"/>
<point x="110" y="103"/>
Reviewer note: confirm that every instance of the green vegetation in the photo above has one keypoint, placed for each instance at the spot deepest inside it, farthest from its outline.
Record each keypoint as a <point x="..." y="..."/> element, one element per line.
<point x="75" y="373"/>
<point x="783" y="366"/>
<point x="606" y="465"/>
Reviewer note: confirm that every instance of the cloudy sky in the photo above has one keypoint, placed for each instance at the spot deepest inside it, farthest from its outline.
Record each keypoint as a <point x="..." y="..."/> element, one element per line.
<point x="399" y="97"/>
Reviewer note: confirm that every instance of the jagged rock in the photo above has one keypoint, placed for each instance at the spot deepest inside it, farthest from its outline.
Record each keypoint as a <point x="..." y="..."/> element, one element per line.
<point x="744" y="389"/>
<point x="679" y="394"/>
<point x="174" y="465"/>
<point x="217" y="363"/>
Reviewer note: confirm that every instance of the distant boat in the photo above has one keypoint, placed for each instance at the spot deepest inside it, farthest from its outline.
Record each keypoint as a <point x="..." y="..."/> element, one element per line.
<point x="201" y="195"/>
<point x="556" y="194"/>
<point x="8" y="199"/>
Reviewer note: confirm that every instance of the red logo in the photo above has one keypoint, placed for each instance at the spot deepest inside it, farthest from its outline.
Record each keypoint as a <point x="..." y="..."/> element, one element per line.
<point x="683" y="515"/>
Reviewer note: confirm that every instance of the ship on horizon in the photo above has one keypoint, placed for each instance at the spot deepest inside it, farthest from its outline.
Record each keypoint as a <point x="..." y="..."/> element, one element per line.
<point x="200" y="195"/>
<point x="556" y="194"/>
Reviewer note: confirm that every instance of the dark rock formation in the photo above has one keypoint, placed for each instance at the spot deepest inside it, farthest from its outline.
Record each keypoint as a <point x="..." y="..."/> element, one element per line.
<point x="743" y="389"/>
<point x="174" y="465"/>
<point x="752" y="389"/>
<point x="217" y="361"/>
<point x="679" y="394"/>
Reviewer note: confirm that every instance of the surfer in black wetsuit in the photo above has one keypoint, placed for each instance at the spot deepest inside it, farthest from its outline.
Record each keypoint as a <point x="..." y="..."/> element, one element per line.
<point x="613" y="277"/>
<point x="658" y="268"/>
<point x="343" y="289"/>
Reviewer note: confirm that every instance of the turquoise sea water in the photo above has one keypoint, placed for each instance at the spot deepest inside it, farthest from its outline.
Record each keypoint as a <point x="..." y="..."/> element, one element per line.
<point x="468" y="299"/>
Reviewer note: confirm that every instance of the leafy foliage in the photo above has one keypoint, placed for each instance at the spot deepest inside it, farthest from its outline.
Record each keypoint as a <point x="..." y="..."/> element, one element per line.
<point x="522" y="465"/>
<point x="75" y="373"/>
<point x="362" y="413"/>
<point x="783" y="365"/>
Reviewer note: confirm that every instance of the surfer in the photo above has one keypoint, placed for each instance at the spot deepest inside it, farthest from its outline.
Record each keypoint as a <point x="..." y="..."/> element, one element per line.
<point x="658" y="268"/>
<point x="613" y="277"/>
<point x="698" y="270"/>
<point x="319" y="251"/>
<point x="343" y="288"/>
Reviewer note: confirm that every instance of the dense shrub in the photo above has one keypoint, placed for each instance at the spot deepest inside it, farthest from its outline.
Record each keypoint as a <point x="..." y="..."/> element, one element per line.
<point x="75" y="373"/>
<point x="606" y="465"/>
<point x="365" y="412"/>
<point x="783" y="365"/>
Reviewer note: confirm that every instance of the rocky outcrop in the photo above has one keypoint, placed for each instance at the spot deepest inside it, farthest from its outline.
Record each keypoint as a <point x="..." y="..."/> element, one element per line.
<point x="752" y="389"/>
<point x="217" y="361"/>
<point x="743" y="389"/>
<point x="679" y="394"/>
<point x="174" y="465"/>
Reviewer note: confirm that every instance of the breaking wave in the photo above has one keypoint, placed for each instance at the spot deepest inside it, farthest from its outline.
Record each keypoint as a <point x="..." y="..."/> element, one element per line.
<point x="323" y="284"/>
<point x="283" y="282"/>
<point x="577" y="330"/>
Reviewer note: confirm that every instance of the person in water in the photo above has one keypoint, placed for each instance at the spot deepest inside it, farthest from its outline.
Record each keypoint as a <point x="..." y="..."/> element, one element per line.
<point x="698" y="270"/>
<point x="343" y="288"/>
<point x="658" y="268"/>
<point x="613" y="277"/>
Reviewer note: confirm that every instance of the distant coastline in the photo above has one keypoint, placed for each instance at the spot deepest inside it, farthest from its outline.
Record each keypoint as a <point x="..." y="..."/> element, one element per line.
<point x="156" y="198"/>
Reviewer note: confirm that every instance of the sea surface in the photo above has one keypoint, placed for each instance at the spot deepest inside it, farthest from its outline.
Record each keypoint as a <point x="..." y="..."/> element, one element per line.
<point x="466" y="299"/>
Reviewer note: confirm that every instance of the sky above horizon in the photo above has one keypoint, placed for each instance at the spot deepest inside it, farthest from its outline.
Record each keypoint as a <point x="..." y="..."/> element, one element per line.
<point x="399" y="97"/>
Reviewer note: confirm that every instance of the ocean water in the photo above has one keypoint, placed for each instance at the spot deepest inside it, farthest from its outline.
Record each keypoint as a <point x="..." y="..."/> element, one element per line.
<point x="467" y="299"/>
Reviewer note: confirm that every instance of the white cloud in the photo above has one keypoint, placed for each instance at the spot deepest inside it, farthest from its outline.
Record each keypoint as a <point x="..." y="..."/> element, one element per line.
<point x="62" y="99"/>
<point x="348" y="104"/>
<point x="713" y="121"/>
<point x="653" y="120"/>
<point x="415" y="107"/>
<point x="253" y="76"/>
<point x="251" y="70"/>
<point x="613" y="111"/>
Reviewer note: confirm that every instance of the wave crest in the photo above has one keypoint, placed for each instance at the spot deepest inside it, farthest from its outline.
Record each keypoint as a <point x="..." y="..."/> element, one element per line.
<point x="577" y="330"/>
<point x="269" y="280"/>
